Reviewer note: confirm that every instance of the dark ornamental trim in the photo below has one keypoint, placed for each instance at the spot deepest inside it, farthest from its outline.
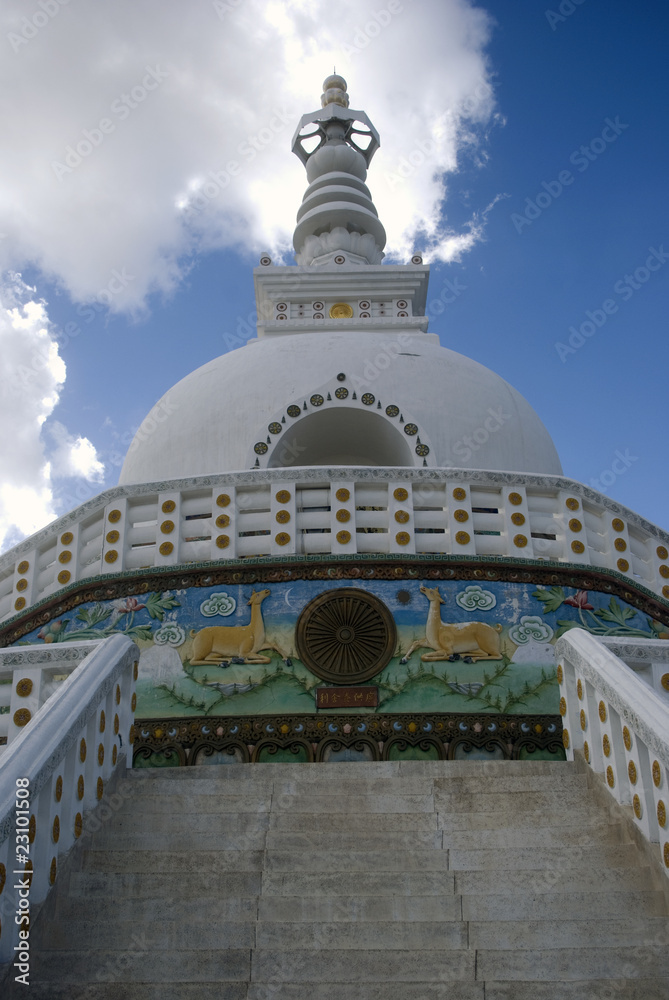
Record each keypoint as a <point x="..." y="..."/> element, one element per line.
<point x="311" y="738"/>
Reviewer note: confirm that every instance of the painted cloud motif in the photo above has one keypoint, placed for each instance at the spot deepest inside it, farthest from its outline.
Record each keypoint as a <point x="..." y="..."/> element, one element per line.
<point x="218" y="604"/>
<point x="530" y="627"/>
<point x="475" y="599"/>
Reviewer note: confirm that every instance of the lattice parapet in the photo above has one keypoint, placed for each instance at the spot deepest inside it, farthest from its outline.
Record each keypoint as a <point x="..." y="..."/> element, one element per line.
<point x="238" y="515"/>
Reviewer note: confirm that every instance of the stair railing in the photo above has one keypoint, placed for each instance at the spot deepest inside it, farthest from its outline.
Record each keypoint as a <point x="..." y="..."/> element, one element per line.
<point x="53" y="774"/>
<point x="616" y="713"/>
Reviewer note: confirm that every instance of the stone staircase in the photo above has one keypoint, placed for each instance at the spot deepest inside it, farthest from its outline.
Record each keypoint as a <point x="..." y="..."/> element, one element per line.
<point x="467" y="881"/>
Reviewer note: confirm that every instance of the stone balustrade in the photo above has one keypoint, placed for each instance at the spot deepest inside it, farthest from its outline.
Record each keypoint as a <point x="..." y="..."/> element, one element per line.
<point x="56" y="771"/>
<point x="615" y="707"/>
<point x="337" y="511"/>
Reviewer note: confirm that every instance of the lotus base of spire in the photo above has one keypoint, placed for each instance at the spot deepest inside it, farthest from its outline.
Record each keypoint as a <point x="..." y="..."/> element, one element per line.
<point x="356" y="248"/>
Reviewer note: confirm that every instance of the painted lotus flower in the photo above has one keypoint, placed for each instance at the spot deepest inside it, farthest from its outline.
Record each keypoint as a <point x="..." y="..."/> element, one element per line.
<point x="579" y="600"/>
<point x="129" y="604"/>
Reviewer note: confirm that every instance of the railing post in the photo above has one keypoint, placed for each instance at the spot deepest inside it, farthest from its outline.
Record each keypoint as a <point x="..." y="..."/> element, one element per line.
<point x="223" y="523"/>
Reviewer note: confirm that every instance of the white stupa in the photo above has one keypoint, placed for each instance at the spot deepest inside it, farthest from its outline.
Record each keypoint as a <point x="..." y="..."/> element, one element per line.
<point x="343" y="371"/>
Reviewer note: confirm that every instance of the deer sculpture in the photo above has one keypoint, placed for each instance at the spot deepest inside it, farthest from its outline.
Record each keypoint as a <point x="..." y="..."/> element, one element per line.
<point x="476" y="640"/>
<point x="240" y="643"/>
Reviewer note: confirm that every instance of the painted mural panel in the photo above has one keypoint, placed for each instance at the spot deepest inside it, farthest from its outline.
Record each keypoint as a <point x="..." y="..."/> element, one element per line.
<point x="460" y="646"/>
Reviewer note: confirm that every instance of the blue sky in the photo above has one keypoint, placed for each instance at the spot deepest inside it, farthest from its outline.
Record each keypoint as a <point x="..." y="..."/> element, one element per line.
<point x="541" y="199"/>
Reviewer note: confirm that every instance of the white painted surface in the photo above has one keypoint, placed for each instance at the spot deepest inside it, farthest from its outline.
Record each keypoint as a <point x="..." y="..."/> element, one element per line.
<point x="209" y="422"/>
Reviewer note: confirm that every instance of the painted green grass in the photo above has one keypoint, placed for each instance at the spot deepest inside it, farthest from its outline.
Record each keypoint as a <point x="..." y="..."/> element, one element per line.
<point x="506" y="687"/>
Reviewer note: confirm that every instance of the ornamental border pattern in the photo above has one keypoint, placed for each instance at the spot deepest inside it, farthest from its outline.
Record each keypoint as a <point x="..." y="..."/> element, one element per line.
<point x="637" y="649"/>
<point x="327" y="475"/>
<point x="278" y="569"/>
<point x="248" y="736"/>
<point x="12" y="656"/>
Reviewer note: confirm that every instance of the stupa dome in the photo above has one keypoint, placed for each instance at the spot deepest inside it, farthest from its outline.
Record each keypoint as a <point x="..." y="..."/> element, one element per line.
<point x="339" y="399"/>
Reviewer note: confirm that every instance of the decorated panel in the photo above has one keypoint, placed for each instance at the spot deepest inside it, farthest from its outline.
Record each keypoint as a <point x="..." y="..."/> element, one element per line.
<point x="405" y="645"/>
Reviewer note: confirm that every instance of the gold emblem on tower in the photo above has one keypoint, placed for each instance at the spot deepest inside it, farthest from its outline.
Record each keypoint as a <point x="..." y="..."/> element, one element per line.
<point x="341" y="310"/>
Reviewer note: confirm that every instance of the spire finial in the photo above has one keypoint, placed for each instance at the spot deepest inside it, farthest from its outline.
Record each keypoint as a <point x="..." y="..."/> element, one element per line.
<point x="334" y="91"/>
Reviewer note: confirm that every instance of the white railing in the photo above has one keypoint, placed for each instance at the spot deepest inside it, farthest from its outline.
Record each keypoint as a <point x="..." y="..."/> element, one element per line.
<point x="29" y="675"/>
<point x="613" y="715"/>
<point x="56" y="771"/>
<point x="336" y="511"/>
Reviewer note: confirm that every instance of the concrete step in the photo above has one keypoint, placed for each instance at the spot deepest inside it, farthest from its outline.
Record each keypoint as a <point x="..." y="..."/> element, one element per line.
<point x="511" y="783"/>
<point x="595" y="880"/>
<point x="143" y="965"/>
<point x="371" y="839"/>
<point x="335" y="821"/>
<point x="346" y="783"/>
<point x="183" y="934"/>
<point x="355" y="861"/>
<point x="169" y="885"/>
<point x="561" y="904"/>
<point x="554" y="818"/>
<point x="178" y="862"/>
<point x="215" y="908"/>
<point x="599" y="989"/>
<point x="361" y="936"/>
<point x="552" y="859"/>
<point x="362" y="883"/>
<point x="592" y="989"/>
<point x="573" y="963"/>
<point x="184" y="840"/>
<point x="501" y="803"/>
<point x="204" y="822"/>
<point x="361" y="967"/>
<point x="543" y="836"/>
<point x="359" y="909"/>
<point x="184" y="801"/>
<point x="360" y="804"/>
<point x="139" y="991"/>
<point x="608" y="932"/>
<point x="325" y="773"/>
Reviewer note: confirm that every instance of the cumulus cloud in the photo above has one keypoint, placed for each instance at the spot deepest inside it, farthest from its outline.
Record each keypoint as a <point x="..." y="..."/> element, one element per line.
<point x="119" y="117"/>
<point x="74" y="455"/>
<point x="32" y="374"/>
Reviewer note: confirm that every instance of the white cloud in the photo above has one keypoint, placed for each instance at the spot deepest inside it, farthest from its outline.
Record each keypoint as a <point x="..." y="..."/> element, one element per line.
<point x="158" y="97"/>
<point x="32" y="374"/>
<point x="74" y="455"/>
